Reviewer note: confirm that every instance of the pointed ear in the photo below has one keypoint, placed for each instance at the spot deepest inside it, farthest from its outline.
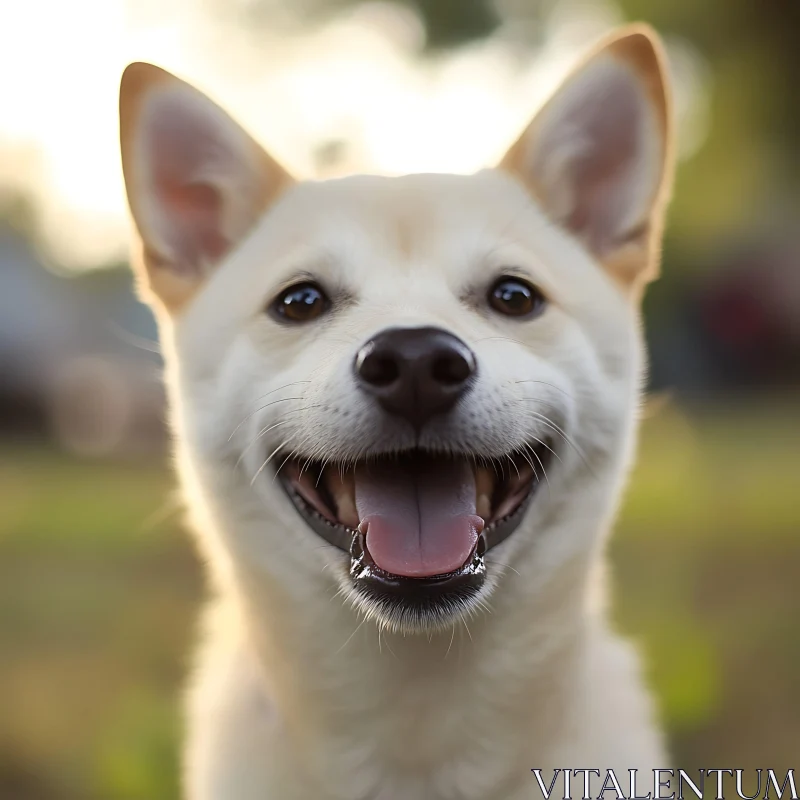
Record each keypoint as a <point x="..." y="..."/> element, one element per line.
<point x="598" y="156"/>
<point x="196" y="182"/>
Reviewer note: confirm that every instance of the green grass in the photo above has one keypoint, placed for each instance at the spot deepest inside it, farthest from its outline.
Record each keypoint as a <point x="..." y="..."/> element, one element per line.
<point x="99" y="590"/>
<point x="706" y="561"/>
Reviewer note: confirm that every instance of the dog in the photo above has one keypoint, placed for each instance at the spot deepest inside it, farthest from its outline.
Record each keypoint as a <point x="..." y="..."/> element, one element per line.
<point x="404" y="409"/>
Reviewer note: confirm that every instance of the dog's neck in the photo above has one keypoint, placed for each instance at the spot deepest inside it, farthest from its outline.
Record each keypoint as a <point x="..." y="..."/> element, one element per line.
<point x="421" y="701"/>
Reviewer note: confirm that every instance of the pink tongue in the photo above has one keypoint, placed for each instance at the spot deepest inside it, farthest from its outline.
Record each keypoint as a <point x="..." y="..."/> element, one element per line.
<point x="419" y="518"/>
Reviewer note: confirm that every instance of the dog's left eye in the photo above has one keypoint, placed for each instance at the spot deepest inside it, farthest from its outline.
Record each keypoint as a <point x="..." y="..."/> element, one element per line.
<point x="302" y="302"/>
<point x="514" y="297"/>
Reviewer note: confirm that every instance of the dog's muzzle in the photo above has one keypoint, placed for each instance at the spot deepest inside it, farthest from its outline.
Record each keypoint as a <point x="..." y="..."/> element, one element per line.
<point x="416" y="524"/>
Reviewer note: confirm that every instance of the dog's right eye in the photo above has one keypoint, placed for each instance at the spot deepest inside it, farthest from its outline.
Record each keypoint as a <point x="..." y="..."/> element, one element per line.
<point x="515" y="297"/>
<point x="302" y="302"/>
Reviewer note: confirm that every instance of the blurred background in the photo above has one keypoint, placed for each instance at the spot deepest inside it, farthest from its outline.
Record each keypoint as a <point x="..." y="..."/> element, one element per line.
<point x="99" y="587"/>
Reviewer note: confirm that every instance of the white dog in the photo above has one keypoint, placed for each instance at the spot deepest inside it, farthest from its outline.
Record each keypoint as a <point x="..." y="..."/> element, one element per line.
<point x="404" y="410"/>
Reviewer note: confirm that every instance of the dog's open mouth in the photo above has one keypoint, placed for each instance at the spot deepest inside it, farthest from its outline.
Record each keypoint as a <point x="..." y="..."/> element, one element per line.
<point x="417" y="524"/>
<point x="416" y="515"/>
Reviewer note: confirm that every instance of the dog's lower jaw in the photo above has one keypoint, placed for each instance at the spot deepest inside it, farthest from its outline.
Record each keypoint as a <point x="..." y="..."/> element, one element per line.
<point x="299" y="702"/>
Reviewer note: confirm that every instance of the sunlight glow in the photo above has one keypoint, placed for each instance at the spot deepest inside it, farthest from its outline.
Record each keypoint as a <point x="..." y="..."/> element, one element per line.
<point x="358" y="83"/>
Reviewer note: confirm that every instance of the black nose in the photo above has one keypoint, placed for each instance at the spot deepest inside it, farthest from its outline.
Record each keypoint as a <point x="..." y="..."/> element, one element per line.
<point x="415" y="372"/>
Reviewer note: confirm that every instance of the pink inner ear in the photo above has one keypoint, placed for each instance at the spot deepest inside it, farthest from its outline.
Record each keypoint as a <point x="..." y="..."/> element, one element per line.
<point x="195" y="211"/>
<point x="604" y="173"/>
<point x="612" y="126"/>
<point x="184" y="149"/>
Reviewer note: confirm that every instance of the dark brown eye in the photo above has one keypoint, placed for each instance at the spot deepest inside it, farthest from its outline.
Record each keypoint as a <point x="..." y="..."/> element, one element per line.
<point x="514" y="297"/>
<point x="302" y="302"/>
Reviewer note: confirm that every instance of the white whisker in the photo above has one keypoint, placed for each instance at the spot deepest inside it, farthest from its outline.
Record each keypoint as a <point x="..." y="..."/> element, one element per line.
<point x="358" y="628"/>
<point x="267" y="460"/>
<point x="261" y="408"/>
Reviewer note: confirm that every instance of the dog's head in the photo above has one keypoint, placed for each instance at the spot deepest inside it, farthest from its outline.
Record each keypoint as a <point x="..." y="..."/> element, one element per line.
<point x="403" y="378"/>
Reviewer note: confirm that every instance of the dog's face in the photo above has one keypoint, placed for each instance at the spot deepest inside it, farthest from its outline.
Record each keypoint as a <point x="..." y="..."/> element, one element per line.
<point x="392" y="377"/>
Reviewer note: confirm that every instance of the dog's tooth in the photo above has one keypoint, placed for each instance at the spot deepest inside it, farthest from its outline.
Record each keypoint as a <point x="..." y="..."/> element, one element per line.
<point x="484" y="487"/>
<point x="483" y="506"/>
<point x="342" y="487"/>
<point x="347" y="512"/>
<point x="484" y="481"/>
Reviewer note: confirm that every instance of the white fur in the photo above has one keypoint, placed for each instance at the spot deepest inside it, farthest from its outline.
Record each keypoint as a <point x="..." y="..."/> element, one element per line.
<point x="295" y="694"/>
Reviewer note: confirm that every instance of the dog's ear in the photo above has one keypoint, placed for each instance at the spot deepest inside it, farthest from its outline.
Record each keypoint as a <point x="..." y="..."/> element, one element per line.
<point x="598" y="156"/>
<point x="196" y="182"/>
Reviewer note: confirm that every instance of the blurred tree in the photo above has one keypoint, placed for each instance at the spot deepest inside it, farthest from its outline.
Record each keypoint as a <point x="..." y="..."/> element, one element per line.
<point x="748" y="171"/>
<point x="453" y="22"/>
<point x="447" y="23"/>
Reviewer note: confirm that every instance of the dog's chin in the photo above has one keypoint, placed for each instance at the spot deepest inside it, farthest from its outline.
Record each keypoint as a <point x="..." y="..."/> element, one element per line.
<point x="416" y="525"/>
